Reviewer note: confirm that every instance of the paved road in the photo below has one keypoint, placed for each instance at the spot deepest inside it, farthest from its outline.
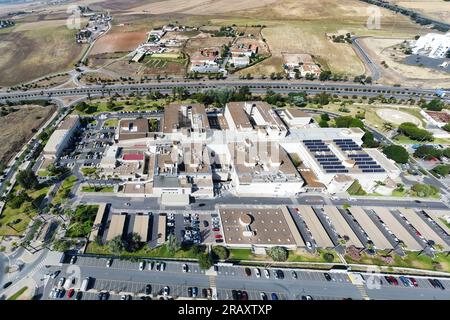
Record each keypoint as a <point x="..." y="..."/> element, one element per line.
<point x="125" y="277"/>
<point x="373" y="67"/>
<point x="255" y="86"/>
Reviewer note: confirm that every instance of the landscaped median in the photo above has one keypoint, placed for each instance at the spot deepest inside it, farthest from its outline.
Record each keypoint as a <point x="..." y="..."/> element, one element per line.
<point x="324" y="256"/>
<point x="414" y="260"/>
<point x="97" y="189"/>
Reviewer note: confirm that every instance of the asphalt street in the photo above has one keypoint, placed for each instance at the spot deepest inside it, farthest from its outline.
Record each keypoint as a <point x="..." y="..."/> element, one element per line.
<point x="124" y="277"/>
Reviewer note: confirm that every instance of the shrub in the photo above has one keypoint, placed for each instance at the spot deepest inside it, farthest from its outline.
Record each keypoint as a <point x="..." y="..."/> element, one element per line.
<point x="221" y="252"/>
<point x="277" y="253"/>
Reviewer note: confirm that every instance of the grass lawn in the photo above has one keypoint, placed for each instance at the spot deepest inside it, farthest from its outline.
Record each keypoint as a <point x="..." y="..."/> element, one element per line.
<point x="111" y="123"/>
<point x="356" y="190"/>
<point x="402" y="139"/>
<point x="132" y="104"/>
<point x="145" y="252"/>
<point x="88" y="171"/>
<point x="44" y="173"/>
<point x="294" y="256"/>
<point x="20" y="218"/>
<point x="64" y="190"/>
<point x="97" y="189"/>
<point x="16" y="295"/>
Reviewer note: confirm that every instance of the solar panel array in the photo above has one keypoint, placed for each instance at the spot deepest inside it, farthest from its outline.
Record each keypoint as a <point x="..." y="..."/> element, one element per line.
<point x="346" y="144"/>
<point x="315" y="145"/>
<point x="366" y="163"/>
<point x="329" y="162"/>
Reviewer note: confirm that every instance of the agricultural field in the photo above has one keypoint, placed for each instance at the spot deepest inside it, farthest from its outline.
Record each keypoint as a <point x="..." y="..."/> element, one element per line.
<point x="436" y="9"/>
<point x="117" y="41"/>
<point x="27" y="54"/>
<point x="19" y="126"/>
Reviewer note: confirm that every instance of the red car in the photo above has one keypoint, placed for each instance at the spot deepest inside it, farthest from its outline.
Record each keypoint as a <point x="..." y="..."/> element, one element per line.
<point x="216" y="229"/>
<point x="394" y="281"/>
<point x="414" y="282"/>
<point x="218" y="236"/>
<point x="70" y="293"/>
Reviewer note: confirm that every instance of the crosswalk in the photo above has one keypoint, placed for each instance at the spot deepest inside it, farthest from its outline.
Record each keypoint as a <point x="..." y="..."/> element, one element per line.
<point x="362" y="289"/>
<point x="212" y="281"/>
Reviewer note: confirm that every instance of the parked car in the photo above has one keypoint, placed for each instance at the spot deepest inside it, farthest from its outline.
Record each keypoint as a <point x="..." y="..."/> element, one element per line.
<point x="185" y="267"/>
<point x="55" y="274"/>
<point x="190" y="292"/>
<point x="148" y="289"/>
<point x="234" y="294"/>
<point x="248" y="272"/>
<point x="263" y="296"/>
<point x="414" y="282"/>
<point x="244" y="296"/>
<point x="109" y="263"/>
<point x="439" y="284"/>
<point x="405" y="281"/>
<point x="194" y="292"/>
<point x="73" y="259"/>
<point x="266" y="273"/>
<point x="257" y="272"/>
<point x="166" y="291"/>
<point x="327" y="276"/>
<point x="79" y="295"/>
<point x="6" y="285"/>
<point x="205" y="223"/>
<point x="141" y="265"/>
<point x="294" y="275"/>
<point x="274" y="296"/>
<point x="61" y="281"/>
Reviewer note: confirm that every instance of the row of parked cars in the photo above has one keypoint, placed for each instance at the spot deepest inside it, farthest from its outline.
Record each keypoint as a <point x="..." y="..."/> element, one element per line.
<point x="411" y="282"/>
<point x="191" y="232"/>
<point x="243" y="295"/>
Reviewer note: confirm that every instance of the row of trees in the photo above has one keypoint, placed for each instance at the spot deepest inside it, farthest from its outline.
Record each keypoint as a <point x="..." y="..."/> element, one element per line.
<point x="413" y="132"/>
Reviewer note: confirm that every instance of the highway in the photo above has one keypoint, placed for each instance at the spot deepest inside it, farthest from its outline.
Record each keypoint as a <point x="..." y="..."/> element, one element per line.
<point x="255" y="86"/>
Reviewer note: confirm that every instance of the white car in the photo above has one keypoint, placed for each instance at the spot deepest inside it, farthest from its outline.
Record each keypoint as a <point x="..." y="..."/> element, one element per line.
<point x="108" y="263"/>
<point x="266" y="273"/>
<point x="257" y="273"/>
<point x="141" y="265"/>
<point x="185" y="268"/>
<point x="308" y="245"/>
<point x="61" y="282"/>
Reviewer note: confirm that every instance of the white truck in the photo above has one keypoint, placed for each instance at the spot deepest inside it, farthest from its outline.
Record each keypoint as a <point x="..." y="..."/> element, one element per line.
<point x="85" y="284"/>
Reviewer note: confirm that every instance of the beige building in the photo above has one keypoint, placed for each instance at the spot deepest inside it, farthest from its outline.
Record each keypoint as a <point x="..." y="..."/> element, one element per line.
<point x="60" y="138"/>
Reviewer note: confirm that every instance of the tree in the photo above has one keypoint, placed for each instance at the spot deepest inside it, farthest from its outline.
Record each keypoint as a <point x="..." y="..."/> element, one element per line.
<point x="27" y="179"/>
<point x="442" y="170"/>
<point x="173" y="245"/>
<point x="446" y="127"/>
<point x="133" y="242"/>
<point x="434" y="105"/>
<point x="369" y="141"/>
<point x="325" y="116"/>
<point x="221" y="252"/>
<point x="205" y="261"/>
<point x="277" y="253"/>
<point x="328" y="257"/>
<point x="325" y="75"/>
<point x="396" y="153"/>
<point x="412" y="131"/>
<point x="117" y="245"/>
<point x="427" y="152"/>
<point x="348" y="122"/>
<point x="446" y="152"/>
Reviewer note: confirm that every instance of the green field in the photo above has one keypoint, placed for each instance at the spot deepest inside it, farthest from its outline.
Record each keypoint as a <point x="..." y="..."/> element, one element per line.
<point x="97" y="189"/>
<point x="14" y="221"/>
<point x="145" y="252"/>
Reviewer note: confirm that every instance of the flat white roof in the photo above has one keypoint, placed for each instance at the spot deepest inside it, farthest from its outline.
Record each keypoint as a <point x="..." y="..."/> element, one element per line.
<point x="398" y="229"/>
<point x="378" y="239"/>
<point x="342" y="227"/>
<point x="315" y="227"/>
<point x="419" y="224"/>
<point x="116" y="226"/>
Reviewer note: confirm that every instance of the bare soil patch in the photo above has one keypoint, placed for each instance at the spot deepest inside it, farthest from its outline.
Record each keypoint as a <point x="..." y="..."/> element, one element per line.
<point x="17" y="128"/>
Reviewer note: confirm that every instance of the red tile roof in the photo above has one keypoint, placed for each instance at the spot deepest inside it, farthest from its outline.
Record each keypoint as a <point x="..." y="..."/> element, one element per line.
<point x="133" y="157"/>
